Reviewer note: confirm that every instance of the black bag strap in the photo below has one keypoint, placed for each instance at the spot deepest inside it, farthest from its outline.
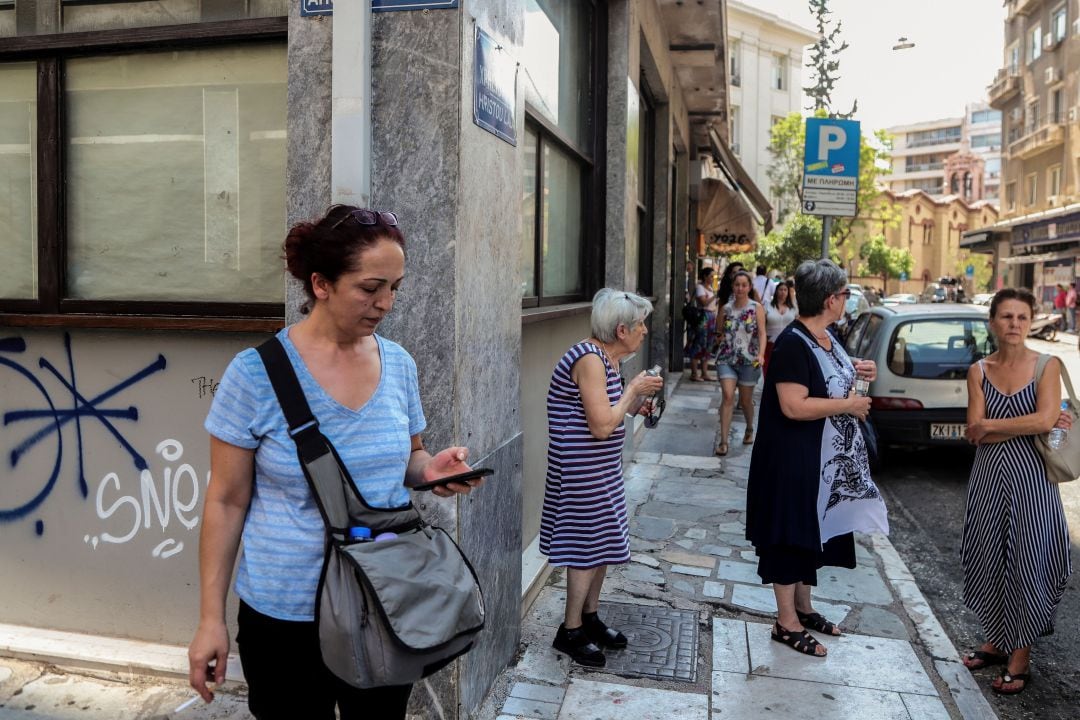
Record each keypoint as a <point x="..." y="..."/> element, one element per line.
<point x="312" y="447"/>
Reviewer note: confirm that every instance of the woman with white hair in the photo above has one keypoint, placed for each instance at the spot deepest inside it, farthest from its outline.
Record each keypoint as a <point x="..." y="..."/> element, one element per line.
<point x="584" y="523"/>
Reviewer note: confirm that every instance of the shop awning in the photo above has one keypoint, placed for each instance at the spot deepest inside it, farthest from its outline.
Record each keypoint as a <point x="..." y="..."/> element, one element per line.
<point x="1040" y="257"/>
<point x="725" y="219"/>
<point x="735" y="173"/>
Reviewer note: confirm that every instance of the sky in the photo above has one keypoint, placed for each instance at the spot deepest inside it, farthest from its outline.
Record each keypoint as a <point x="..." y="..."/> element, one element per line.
<point x="958" y="48"/>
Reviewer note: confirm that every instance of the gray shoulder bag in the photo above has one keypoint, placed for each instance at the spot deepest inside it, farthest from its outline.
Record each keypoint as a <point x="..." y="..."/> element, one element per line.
<point x="1062" y="465"/>
<point x="389" y="612"/>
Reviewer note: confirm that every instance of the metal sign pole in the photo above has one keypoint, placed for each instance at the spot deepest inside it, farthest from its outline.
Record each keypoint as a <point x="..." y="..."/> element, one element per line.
<point x="826" y="230"/>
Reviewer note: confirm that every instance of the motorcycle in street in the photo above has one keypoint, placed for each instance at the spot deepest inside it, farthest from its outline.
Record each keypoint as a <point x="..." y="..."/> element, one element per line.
<point x="1045" y="326"/>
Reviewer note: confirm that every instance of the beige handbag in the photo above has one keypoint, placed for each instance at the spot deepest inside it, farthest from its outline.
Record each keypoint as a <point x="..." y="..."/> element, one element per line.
<point x="1063" y="464"/>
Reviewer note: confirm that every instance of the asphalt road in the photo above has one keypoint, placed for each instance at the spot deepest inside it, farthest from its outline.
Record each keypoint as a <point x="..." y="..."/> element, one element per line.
<point x="926" y="492"/>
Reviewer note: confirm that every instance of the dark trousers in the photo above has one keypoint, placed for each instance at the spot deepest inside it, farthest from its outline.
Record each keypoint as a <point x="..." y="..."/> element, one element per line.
<point x="287" y="679"/>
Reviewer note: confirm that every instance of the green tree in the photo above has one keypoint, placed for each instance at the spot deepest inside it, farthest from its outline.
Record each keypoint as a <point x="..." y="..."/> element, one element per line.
<point x="787" y="140"/>
<point x="824" y="61"/>
<point x="883" y="259"/>
<point x="984" y="269"/>
<point x="783" y="249"/>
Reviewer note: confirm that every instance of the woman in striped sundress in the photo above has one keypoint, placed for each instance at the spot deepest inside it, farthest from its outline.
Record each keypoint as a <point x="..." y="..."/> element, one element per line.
<point x="584" y="525"/>
<point x="1016" y="544"/>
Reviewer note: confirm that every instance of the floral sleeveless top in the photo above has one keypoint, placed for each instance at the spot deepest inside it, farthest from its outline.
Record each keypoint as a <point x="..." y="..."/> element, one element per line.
<point x="738" y="337"/>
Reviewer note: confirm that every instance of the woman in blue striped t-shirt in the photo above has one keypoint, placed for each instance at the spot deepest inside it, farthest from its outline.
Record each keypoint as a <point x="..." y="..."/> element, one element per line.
<point x="363" y="390"/>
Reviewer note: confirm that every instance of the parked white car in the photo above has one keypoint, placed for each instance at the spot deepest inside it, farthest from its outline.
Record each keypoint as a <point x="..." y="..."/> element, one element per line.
<point x="900" y="299"/>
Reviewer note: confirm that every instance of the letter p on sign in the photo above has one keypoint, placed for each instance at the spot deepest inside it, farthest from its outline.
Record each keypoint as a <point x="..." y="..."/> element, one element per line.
<point x="830" y="137"/>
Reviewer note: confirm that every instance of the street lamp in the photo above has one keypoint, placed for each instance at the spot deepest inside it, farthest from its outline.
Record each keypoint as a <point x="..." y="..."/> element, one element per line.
<point x="902" y="43"/>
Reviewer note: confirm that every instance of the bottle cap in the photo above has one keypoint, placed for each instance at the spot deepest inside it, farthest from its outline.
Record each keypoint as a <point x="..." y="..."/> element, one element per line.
<point x="1064" y="404"/>
<point x="359" y="533"/>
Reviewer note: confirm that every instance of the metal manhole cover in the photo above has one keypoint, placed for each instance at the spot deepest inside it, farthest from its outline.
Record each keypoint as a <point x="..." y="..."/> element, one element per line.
<point x="661" y="642"/>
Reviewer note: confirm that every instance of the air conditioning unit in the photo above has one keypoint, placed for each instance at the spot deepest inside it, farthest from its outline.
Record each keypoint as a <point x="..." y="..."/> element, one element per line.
<point x="1048" y="41"/>
<point x="1072" y="114"/>
<point x="1052" y="200"/>
<point x="1051" y="75"/>
<point x="1016" y="114"/>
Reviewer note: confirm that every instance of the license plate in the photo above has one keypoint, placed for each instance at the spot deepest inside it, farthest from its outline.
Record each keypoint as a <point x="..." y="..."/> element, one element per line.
<point x="947" y="431"/>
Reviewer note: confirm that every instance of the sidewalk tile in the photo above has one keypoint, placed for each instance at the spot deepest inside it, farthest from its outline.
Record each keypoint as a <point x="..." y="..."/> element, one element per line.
<point x="853" y="661"/>
<point x="544" y="693"/>
<point x="738" y="572"/>
<point x="543" y="663"/>
<point x="760" y="598"/>
<point x="587" y="700"/>
<point x="972" y="704"/>
<point x="716" y="550"/>
<point x="531" y="708"/>
<point x="895" y="568"/>
<point x="730" y="651"/>
<point x="861" y="585"/>
<point x="881" y="623"/>
<point x="712" y="589"/>
<point x="640" y="573"/>
<point x="685" y="544"/>
<point x="683" y="558"/>
<point x="696" y="533"/>
<point x="647" y="560"/>
<point x="647" y="457"/>
<point x="687" y="570"/>
<point x="925" y="707"/>
<point x="749" y="697"/>
<point x="652" y="528"/>
<point x="690" y="462"/>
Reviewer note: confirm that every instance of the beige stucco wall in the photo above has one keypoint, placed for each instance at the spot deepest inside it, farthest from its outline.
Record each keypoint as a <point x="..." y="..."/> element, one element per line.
<point x="118" y="557"/>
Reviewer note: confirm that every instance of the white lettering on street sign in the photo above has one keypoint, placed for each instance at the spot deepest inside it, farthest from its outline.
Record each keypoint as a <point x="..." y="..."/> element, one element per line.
<point x="831" y="137"/>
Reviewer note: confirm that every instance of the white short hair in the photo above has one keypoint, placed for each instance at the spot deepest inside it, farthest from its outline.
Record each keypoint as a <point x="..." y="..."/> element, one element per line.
<point x="612" y="308"/>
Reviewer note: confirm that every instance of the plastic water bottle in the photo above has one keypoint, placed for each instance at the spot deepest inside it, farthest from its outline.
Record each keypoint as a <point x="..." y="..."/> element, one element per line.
<point x="1058" y="435"/>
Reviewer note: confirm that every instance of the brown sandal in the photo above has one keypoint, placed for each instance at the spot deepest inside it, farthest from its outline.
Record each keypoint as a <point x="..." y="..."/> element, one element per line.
<point x="722" y="449"/>
<point x="800" y="641"/>
<point x="748" y="436"/>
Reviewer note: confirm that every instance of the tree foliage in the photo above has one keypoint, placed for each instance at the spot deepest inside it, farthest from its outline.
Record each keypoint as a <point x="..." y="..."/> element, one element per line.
<point x="824" y="61"/>
<point x="783" y="249"/>
<point x="880" y="258"/>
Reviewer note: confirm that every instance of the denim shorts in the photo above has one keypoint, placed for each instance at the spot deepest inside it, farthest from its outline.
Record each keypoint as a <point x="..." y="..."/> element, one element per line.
<point x="745" y="375"/>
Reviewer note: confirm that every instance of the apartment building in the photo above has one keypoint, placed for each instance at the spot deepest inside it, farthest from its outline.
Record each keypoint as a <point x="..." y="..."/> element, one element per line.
<point x="1037" y="239"/>
<point x="950" y="156"/>
<point x="765" y="56"/>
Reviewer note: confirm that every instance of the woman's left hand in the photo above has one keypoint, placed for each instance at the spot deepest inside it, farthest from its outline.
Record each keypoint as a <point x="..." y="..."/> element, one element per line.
<point x="866" y="369"/>
<point x="1065" y="420"/>
<point x="450" y="461"/>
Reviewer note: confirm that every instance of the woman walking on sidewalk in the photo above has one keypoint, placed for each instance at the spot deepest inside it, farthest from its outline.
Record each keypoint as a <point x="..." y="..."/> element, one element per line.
<point x="779" y="313"/>
<point x="1015" y="549"/>
<point x="809" y="487"/>
<point x="584" y="523"/>
<point x="702" y="336"/>
<point x="741" y="329"/>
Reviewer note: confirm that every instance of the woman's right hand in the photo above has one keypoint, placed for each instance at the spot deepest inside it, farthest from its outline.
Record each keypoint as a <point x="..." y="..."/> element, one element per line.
<point x="211" y="644"/>
<point x="644" y="385"/>
<point x="858" y="405"/>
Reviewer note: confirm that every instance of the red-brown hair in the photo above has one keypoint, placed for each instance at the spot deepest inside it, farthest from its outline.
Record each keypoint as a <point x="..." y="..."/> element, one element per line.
<point x="332" y="245"/>
<point x="1022" y="294"/>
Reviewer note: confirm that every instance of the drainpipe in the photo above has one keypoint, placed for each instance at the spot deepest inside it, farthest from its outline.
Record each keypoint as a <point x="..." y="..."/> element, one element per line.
<point x="350" y="91"/>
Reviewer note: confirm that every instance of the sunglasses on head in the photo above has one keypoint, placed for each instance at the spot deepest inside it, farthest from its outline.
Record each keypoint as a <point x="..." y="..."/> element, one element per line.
<point x="364" y="216"/>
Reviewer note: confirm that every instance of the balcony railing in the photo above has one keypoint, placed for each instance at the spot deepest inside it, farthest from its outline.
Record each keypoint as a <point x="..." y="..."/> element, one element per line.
<point x="924" y="167"/>
<point x="936" y="140"/>
<point x="1049" y="134"/>
<point x="1005" y="87"/>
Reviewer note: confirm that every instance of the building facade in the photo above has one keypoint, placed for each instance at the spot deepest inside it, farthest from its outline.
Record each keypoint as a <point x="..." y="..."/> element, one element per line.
<point x="765" y="58"/>
<point x="1037" y="239"/>
<point x="952" y="156"/>
<point x="153" y="155"/>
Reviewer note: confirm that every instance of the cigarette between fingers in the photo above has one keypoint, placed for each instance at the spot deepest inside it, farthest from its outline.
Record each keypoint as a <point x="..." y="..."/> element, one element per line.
<point x="185" y="705"/>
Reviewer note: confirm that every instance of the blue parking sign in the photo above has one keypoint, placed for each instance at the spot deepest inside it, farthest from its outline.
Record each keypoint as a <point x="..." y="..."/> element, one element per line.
<point x="831" y="167"/>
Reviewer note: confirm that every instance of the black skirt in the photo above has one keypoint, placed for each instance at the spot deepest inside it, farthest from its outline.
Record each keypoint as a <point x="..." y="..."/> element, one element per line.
<point x="789" y="564"/>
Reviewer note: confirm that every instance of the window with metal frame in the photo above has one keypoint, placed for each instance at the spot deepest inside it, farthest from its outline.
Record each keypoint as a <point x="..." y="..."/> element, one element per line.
<point x="147" y="170"/>
<point x="560" y="183"/>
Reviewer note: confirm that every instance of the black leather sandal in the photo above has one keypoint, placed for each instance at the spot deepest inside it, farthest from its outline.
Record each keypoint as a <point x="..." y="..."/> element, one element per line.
<point x="799" y="640"/>
<point x="984" y="659"/>
<point x="817" y="621"/>
<point x="577" y="644"/>
<point x="600" y="633"/>
<point x="1007" y="678"/>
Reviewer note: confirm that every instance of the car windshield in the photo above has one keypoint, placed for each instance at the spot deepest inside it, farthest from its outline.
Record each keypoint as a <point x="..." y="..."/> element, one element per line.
<point x="939" y="348"/>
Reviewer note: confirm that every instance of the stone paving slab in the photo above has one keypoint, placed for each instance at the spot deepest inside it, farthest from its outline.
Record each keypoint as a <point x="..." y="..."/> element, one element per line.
<point x="860" y="585"/>
<point x="686" y="558"/>
<point x="760" y="599"/>
<point x="738" y="696"/>
<point x="588" y="700"/>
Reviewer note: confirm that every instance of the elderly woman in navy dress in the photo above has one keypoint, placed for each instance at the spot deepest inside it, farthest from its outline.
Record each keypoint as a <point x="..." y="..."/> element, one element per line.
<point x="584" y="523"/>
<point x="810" y="488"/>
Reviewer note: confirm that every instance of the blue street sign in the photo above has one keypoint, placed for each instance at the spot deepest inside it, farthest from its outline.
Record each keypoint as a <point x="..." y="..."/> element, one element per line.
<point x="831" y="167"/>
<point x="494" y="88"/>
<point x="903" y="276"/>
<point x="310" y="8"/>
<point x="970" y="271"/>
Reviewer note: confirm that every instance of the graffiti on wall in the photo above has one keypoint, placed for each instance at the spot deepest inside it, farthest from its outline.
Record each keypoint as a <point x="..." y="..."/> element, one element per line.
<point x="61" y="411"/>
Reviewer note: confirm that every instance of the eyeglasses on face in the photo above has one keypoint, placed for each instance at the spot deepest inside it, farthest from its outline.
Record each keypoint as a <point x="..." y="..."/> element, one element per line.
<point x="363" y="216"/>
<point x="846" y="292"/>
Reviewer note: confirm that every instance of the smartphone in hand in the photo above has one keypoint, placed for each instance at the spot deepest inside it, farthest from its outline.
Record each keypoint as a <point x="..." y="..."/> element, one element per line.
<point x="474" y="474"/>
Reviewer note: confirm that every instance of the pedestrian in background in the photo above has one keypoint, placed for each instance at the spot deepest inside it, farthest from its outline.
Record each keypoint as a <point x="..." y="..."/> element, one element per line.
<point x="763" y="286"/>
<point x="723" y="293"/>
<point x="1070" y="306"/>
<point x="702" y="336"/>
<point x="778" y="315"/>
<point x="809" y="487"/>
<point x="1015" y="548"/>
<point x="584" y="523"/>
<point x="363" y="390"/>
<point x="741" y="332"/>
<point x="1059" y="299"/>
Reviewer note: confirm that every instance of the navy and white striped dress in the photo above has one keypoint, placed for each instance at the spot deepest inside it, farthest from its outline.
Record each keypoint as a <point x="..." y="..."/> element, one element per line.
<point x="584" y="521"/>
<point x="1016" y="543"/>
